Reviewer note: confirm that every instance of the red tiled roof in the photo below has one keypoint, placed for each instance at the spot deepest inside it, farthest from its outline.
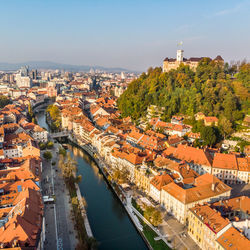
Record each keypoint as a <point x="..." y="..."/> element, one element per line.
<point x="161" y="180"/>
<point x="226" y="161"/>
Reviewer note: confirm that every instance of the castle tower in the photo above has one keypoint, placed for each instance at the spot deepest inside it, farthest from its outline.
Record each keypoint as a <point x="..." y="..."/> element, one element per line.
<point x="179" y="56"/>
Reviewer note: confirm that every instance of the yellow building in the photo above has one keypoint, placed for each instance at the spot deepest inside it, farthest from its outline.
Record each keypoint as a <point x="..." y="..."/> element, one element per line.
<point x="142" y="178"/>
<point x="205" y="225"/>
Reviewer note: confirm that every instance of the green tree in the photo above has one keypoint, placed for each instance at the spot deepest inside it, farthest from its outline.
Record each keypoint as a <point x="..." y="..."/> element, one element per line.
<point x="156" y="218"/>
<point x="244" y="74"/>
<point x="50" y="145"/>
<point x="62" y="151"/>
<point x="225" y="126"/>
<point x="120" y="175"/>
<point x="210" y="135"/>
<point x="30" y="115"/>
<point x="153" y="215"/>
<point x="4" y="100"/>
<point x="55" y="117"/>
<point x="68" y="166"/>
<point x="42" y="146"/>
<point x="47" y="155"/>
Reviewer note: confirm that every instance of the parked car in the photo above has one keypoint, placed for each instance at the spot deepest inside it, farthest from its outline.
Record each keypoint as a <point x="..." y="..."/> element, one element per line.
<point x="225" y="146"/>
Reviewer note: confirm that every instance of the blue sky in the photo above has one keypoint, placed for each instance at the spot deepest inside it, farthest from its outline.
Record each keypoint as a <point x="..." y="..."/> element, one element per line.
<point x="133" y="34"/>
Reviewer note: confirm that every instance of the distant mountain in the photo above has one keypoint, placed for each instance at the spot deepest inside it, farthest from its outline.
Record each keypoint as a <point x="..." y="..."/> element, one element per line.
<point x="53" y="65"/>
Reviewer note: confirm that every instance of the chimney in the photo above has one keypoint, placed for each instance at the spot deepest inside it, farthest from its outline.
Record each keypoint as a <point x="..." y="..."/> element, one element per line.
<point x="213" y="186"/>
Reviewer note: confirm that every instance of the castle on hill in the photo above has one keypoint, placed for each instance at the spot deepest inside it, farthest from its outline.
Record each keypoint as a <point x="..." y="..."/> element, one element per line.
<point x="192" y="62"/>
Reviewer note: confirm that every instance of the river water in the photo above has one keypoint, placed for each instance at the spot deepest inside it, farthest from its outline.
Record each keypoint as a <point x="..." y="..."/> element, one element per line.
<point x="108" y="219"/>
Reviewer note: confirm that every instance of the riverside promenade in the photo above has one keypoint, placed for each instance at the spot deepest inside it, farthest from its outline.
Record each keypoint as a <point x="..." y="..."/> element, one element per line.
<point x="60" y="233"/>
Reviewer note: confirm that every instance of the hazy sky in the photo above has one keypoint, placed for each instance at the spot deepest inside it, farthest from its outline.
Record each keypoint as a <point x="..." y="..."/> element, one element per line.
<point x="133" y="34"/>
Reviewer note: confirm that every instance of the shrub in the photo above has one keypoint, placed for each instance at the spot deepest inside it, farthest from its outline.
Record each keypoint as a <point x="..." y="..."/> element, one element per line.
<point x="50" y="145"/>
<point x="47" y="155"/>
<point x="62" y="151"/>
<point x="42" y="146"/>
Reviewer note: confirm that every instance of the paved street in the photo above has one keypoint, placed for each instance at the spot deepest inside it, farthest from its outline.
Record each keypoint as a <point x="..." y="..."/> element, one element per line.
<point x="60" y="232"/>
<point x="177" y="234"/>
<point x="240" y="189"/>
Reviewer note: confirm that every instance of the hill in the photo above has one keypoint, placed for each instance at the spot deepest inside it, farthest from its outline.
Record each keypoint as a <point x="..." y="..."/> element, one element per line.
<point x="211" y="90"/>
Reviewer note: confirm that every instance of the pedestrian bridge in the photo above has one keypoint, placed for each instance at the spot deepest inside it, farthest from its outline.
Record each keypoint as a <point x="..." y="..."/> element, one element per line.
<point x="60" y="134"/>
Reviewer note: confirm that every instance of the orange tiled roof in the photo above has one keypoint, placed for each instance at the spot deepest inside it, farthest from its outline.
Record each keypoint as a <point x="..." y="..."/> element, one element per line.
<point x="135" y="135"/>
<point x="210" y="217"/>
<point x="243" y="164"/>
<point x="241" y="203"/>
<point x="233" y="239"/>
<point x="226" y="161"/>
<point x="24" y="226"/>
<point x="196" y="193"/>
<point x="189" y="154"/>
<point x="161" y="180"/>
<point x="211" y="119"/>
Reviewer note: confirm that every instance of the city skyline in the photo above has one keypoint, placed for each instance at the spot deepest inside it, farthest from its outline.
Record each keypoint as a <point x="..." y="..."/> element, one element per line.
<point x="133" y="35"/>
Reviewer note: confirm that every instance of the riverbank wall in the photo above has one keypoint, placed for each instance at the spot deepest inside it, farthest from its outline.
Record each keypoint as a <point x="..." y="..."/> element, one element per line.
<point x="83" y="212"/>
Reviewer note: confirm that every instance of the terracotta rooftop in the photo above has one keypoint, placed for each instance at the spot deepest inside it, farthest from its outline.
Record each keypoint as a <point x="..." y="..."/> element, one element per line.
<point x="241" y="203"/>
<point x="161" y="180"/>
<point x="226" y="161"/>
<point x="233" y="239"/>
<point x="196" y="193"/>
<point x="210" y="217"/>
<point x="189" y="154"/>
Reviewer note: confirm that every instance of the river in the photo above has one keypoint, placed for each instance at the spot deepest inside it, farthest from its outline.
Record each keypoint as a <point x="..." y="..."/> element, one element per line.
<point x="108" y="219"/>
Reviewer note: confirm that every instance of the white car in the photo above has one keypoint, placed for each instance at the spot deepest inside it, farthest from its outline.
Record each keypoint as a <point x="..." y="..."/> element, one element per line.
<point x="225" y="146"/>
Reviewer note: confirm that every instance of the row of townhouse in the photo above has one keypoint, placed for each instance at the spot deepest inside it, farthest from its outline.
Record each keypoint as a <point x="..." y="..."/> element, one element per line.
<point x="229" y="168"/>
<point x="177" y="198"/>
<point x="176" y="187"/>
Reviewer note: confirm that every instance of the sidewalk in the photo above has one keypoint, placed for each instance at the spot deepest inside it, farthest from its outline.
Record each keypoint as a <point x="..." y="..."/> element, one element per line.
<point x="177" y="233"/>
<point x="60" y="232"/>
<point x="66" y="229"/>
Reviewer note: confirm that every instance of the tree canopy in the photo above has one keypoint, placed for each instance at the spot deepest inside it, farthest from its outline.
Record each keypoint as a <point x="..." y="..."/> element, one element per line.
<point x="55" y="117"/>
<point x="47" y="155"/>
<point x="210" y="90"/>
<point x="4" y="100"/>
